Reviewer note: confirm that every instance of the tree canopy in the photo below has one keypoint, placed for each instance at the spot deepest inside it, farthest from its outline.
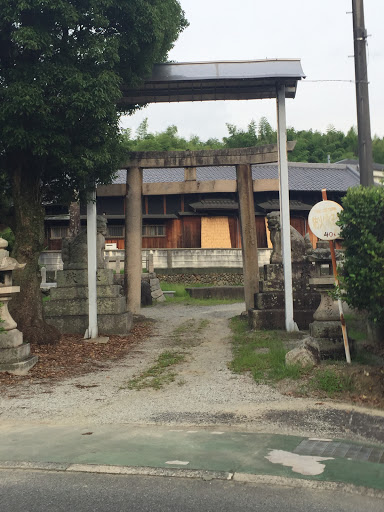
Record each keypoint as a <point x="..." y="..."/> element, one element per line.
<point x="62" y="65"/>
<point x="312" y="145"/>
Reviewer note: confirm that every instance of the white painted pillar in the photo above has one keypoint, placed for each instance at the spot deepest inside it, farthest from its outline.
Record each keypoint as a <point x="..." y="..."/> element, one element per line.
<point x="92" y="331"/>
<point x="285" y="223"/>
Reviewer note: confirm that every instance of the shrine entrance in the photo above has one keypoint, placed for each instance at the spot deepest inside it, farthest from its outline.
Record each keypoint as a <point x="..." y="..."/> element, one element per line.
<point x="213" y="81"/>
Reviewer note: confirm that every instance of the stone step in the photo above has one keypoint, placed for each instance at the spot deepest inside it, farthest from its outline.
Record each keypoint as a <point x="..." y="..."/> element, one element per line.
<point x="80" y="277"/>
<point x="81" y="292"/>
<point x="105" y="306"/>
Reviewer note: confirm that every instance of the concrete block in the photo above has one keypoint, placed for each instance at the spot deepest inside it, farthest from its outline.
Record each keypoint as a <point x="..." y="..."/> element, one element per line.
<point x="12" y="338"/>
<point x="217" y="292"/>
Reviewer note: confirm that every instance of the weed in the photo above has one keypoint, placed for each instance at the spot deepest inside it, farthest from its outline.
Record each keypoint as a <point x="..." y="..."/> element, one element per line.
<point x="266" y="365"/>
<point x="329" y="381"/>
<point x="157" y="375"/>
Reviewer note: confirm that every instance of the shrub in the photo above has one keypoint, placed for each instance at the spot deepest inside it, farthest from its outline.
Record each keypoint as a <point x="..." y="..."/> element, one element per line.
<point x="362" y="227"/>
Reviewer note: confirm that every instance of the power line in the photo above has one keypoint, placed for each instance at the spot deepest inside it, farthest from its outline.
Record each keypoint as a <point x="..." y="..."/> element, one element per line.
<point x="330" y="80"/>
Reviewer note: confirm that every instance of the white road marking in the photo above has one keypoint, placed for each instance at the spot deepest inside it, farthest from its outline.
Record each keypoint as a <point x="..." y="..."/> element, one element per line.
<point x="318" y="439"/>
<point x="178" y="462"/>
<point x="303" y="464"/>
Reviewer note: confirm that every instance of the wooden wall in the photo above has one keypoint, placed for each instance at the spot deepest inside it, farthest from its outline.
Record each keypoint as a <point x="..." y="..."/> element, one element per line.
<point x="191" y="232"/>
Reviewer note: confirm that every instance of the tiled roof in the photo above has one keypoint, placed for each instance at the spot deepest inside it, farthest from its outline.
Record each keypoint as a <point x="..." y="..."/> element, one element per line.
<point x="215" y="204"/>
<point x="302" y="176"/>
<point x="294" y="204"/>
<point x="355" y="163"/>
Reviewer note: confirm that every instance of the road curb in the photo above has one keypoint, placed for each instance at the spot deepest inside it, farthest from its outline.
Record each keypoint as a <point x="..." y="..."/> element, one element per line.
<point x="196" y="474"/>
<point x="119" y="470"/>
<point x="308" y="484"/>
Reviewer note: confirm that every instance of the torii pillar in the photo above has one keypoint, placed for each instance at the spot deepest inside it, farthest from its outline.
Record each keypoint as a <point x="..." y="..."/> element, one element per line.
<point x="133" y="233"/>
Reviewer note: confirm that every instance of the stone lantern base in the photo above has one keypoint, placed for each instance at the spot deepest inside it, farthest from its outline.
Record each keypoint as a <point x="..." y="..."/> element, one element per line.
<point x="15" y="356"/>
<point x="326" y="327"/>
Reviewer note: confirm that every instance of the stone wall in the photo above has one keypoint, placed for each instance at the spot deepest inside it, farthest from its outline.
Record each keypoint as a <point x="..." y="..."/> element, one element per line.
<point x="202" y="258"/>
<point x="214" y="276"/>
<point x="231" y="259"/>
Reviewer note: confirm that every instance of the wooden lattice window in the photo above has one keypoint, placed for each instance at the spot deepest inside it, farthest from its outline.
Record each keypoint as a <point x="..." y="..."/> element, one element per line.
<point x="153" y="231"/>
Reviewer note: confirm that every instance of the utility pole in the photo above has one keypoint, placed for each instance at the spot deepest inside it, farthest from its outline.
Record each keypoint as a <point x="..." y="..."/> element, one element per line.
<point x="362" y="98"/>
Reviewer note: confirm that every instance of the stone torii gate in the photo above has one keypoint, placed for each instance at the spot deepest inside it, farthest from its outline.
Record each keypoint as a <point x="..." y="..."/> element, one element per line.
<point x="211" y="81"/>
<point x="242" y="158"/>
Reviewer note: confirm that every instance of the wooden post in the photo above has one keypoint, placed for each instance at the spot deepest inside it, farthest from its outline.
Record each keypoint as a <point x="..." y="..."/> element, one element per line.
<point x="133" y="227"/>
<point x="248" y="234"/>
<point x="340" y="304"/>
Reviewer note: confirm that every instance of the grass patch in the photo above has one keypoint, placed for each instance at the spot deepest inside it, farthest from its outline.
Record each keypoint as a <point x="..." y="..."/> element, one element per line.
<point x="159" y="374"/>
<point x="262" y="353"/>
<point x="182" y="297"/>
<point x="331" y="382"/>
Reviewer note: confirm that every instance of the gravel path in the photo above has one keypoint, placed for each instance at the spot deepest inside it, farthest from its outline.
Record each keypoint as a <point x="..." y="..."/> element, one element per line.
<point x="204" y="391"/>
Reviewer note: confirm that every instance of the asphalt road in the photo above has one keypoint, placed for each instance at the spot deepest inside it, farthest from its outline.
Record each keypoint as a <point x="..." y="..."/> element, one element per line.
<point x="40" y="491"/>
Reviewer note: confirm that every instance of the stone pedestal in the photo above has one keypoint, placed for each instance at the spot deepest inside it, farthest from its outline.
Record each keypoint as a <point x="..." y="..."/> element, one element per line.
<point x="68" y="308"/>
<point x="269" y="312"/>
<point x="15" y="356"/>
<point x="326" y="328"/>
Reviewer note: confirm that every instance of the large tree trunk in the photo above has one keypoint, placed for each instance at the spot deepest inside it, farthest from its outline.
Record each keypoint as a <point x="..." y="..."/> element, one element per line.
<point x="27" y="307"/>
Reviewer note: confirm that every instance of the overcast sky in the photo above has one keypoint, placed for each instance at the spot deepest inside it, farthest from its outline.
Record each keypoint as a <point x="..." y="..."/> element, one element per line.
<point x="319" y="32"/>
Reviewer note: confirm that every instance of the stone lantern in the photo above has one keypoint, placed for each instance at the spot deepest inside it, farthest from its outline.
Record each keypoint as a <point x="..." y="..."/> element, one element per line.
<point x="15" y="355"/>
<point x="326" y="327"/>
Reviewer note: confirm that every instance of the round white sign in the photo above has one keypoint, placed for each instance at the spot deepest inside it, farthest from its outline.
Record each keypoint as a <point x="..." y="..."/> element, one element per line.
<point x="322" y="220"/>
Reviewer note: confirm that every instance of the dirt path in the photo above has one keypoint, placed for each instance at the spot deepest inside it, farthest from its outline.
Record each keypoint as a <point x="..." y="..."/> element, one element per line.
<point x="204" y="390"/>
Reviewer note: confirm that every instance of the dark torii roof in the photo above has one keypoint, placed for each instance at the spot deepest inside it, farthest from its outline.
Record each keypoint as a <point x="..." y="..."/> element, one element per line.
<point x="210" y="81"/>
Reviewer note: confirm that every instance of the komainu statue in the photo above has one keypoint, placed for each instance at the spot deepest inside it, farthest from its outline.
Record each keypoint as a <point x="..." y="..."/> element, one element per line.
<point x="298" y="247"/>
<point x="75" y="253"/>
